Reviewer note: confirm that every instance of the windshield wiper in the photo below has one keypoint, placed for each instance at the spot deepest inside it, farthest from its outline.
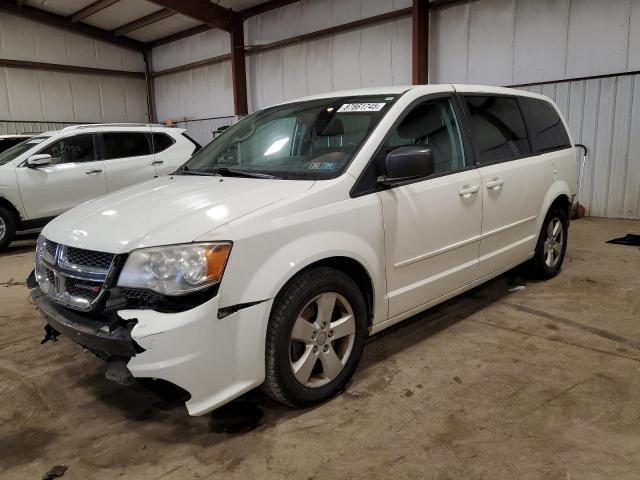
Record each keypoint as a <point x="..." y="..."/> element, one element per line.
<point x="232" y="172"/>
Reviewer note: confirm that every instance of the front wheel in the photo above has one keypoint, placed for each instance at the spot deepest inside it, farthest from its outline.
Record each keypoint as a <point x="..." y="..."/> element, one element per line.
<point x="552" y="245"/>
<point x="315" y="337"/>
<point x="7" y="227"/>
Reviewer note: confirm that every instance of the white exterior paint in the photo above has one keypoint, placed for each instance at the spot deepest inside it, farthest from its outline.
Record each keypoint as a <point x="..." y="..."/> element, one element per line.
<point x="43" y="96"/>
<point x="279" y="227"/>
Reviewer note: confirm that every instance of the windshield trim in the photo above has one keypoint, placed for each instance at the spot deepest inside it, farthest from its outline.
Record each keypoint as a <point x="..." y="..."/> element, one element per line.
<point x="310" y="176"/>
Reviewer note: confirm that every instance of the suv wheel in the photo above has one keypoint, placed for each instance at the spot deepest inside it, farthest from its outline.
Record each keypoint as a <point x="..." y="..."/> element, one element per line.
<point x="551" y="247"/>
<point x="315" y="337"/>
<point x="7" y="227"/>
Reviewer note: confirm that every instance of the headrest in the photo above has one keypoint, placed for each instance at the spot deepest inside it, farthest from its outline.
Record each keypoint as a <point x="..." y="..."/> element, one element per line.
<point x="333" y="128"/>
<point x="422" y="121"/>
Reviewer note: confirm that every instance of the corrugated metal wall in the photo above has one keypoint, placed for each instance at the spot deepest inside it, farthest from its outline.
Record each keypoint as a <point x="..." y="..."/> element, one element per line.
<point x="43" y="96"/>
<point x="202" y="130"/>
<point x="604" y="115"/>
<point x="195" y="94"/>
<point x="496" y="42"/>
<point x="27" y="127"/>
<point x="374" y="55"/>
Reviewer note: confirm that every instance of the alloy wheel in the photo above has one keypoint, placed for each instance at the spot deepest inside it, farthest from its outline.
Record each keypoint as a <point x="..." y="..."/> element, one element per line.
<point x="554" y="242"/>
<point x="322" y="339"/>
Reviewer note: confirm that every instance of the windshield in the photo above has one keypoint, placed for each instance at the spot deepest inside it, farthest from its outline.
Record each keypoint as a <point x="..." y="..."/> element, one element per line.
<point x="307" y="140"/>
<point x="19" y="149"/>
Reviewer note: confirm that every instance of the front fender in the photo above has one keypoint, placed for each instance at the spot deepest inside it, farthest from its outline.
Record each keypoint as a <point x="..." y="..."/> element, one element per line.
<point x="270" y="247"/>
<point x="275" y="270"/>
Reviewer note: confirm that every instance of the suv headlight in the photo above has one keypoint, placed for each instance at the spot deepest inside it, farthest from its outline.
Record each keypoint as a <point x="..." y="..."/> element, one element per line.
<point x="177" y="269"/>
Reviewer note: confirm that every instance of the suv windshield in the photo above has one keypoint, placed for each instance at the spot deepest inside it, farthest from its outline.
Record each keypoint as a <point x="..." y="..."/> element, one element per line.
<point x="19" y="149"/>
<point x="313" y="140"/>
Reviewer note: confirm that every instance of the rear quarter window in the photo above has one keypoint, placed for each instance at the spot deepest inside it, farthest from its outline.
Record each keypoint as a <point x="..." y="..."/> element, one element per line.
<point x="544" y="125"/>
<point x="161" y="141"/>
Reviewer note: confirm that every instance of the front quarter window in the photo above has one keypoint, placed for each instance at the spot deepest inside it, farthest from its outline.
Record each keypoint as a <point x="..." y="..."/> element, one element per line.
<point x="306" y="140"/>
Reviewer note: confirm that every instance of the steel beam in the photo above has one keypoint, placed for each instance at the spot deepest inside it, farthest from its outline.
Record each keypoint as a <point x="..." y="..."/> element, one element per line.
<point x="202" y="10"/>
<point x="49" y="18"/>
<point x="144" y="21"/>
<point x="55" y="67"/>
<point x="90" y="9"/>
<point x="420" y="42"/>
<point x="238" y="69"/>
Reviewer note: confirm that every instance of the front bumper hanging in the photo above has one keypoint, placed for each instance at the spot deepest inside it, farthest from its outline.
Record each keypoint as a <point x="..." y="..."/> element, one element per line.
<point x="107" y="339"/>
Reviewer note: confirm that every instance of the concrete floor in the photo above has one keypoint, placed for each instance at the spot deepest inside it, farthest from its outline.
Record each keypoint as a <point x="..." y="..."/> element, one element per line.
<point x="540" y="383"/>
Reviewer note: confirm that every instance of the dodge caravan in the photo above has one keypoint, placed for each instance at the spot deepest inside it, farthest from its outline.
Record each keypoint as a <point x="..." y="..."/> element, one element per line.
<point x="272" y="254"/>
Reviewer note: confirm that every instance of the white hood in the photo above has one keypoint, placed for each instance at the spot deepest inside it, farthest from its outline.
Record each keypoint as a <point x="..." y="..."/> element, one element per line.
<point x="165" y="211"/>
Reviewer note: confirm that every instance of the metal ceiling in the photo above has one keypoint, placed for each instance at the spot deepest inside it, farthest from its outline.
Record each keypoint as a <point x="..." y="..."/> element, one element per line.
<point x="141" y="21"/>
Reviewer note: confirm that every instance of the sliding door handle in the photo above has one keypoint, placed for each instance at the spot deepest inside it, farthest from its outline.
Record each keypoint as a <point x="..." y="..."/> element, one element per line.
<point x="95" y="171"/>
<point x="495" y="184"/>
<point x="157" y="162"/>
<point x="468" y="190"/>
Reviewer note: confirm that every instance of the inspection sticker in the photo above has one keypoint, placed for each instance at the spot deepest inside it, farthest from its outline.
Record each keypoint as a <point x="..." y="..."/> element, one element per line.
<point x="361" y="107"/>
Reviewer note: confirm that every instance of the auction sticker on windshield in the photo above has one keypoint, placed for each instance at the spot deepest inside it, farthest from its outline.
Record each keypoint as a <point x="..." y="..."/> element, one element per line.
<point x="361" y="107"/>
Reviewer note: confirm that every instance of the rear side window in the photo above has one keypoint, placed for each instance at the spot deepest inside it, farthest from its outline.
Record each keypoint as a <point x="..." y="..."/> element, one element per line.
<point x="161" y="141"/>
<point x="497" y="128"/>
<point x="544" y="125"/>
<point x="125" y="144"/>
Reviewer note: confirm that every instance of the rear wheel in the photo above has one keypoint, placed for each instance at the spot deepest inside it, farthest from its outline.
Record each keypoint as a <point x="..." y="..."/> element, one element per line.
<point x="315" y="337"/>
<point x="7" y="227"/>
<point x="552" y="245"/>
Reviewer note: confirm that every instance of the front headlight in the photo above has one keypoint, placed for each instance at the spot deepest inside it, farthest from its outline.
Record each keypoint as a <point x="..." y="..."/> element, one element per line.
<point x="177" y="269"/>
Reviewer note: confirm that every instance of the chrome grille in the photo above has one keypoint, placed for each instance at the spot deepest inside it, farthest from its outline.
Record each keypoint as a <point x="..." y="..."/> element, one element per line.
<point x="72" y="276"/>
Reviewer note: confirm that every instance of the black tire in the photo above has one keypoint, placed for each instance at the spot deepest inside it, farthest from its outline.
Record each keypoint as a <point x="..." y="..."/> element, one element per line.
<point x="538" y="267"/>
<point x="295" y="298"/>
<point x="8" y="220"/>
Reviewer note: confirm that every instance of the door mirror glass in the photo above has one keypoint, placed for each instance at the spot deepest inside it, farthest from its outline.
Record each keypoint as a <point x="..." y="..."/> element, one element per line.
<point x="405" y="164"/>
<point x="39" y="160"/>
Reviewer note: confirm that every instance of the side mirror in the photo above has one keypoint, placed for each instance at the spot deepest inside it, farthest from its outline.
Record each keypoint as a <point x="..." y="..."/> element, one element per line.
<point x="39" y="160"/>
<point x="405" y="164"/>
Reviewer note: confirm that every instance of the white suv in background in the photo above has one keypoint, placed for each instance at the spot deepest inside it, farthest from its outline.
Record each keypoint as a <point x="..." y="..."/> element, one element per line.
<point x="54" y="171"/>
<point x="272" y="254"/>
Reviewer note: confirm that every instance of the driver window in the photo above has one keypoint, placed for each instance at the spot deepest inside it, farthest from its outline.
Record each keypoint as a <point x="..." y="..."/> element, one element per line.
<point x="432" y="124"/>
<point x="79" y="148"/>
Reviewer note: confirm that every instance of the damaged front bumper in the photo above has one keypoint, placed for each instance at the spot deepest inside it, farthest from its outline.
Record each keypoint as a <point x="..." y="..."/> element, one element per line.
<point x="214" y="359"/>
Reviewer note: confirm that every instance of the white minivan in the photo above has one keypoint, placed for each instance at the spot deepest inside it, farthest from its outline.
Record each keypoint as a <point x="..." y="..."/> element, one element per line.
<point x="54" y="171"/>
<point x="272" y="254"/>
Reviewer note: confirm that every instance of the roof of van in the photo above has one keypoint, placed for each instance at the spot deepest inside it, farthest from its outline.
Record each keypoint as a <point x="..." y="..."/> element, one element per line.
<point x="400" y="89"/>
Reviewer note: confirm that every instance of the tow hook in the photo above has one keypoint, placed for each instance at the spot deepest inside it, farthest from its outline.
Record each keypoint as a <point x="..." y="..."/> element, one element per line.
<point x="118" y="372"/>
<point x="50" y="333"/>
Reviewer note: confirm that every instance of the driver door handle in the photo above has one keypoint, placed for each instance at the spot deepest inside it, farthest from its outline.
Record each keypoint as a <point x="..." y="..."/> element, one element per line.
<point x="157" y="162"/>
<point x="95" y="171"/>
<point x="495" y="184"/>
<point x="468" y="190"/>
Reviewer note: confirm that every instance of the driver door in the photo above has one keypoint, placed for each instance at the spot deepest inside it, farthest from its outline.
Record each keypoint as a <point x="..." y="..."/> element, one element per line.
<point x="432" y="226"/>
<point x="73" y="177"/>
